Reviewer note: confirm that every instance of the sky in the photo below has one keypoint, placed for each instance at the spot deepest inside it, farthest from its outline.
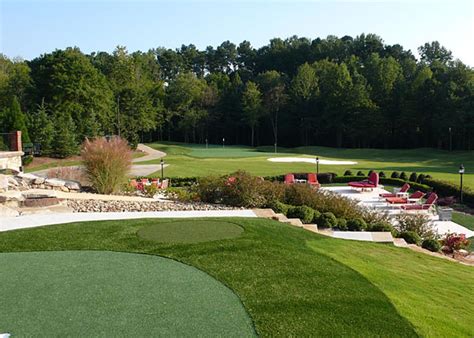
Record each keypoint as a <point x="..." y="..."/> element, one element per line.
<point x="31" y="28"/>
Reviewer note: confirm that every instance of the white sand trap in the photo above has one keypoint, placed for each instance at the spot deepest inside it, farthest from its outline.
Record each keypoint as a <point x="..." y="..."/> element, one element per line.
<point x="309" y="160"/>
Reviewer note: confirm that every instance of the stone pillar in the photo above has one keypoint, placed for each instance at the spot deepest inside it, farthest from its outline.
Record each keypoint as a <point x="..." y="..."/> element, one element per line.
<point x="15" y="141"/>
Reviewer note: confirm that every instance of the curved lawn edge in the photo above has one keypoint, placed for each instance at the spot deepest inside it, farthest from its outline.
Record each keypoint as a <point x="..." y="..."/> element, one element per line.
<point x="425" y="290"/>
<point x="193" y="300"/>
<point x="284" y="285"/>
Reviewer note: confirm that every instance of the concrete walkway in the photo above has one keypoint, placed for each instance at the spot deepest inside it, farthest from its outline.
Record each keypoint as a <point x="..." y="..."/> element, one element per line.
<point x="38" y="220"/>
<point x="151" y="154"/>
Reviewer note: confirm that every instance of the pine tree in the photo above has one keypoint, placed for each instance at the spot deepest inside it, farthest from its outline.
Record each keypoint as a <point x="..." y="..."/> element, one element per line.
<point x="41" y="129"/>
<point x="15" y="120"/>
<point x="64" y="142"/>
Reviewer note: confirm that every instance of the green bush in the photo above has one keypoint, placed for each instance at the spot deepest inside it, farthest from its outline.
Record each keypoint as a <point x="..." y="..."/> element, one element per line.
<point x="27" y="159"/>
<point x="327" y="220"/>
<point x="382" y="174"/>
<point x="370" y="172"/>
<point x="410" y="237"/>
<point x="403" y="176"/>
<point x="395" y="174"/>
<point x="380" y="226"/>
<point x="421" y="178"/>
<point x="342" y="224"/>
<point x="303" y="212"/>
<point x="413" y="177"/>
<point x="316" y="216"/>
<point x="360" y="173"/>
<point x="417" y="223"/>
<point x="347" y="173"/>
<point x="431" y="244"/>
<point x="356" y="224"/>
<point x="279" y="207"/>
<point x="445" y="189"/>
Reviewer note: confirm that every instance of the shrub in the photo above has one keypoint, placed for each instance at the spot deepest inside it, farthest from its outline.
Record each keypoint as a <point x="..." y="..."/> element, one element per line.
<point x="327" y="220"/>
<point x="417" y="223"/>
<point x="443" y="188"/>
<point x="356" y="224"/>
<point x="413" y="177"/>
<point x="326" y="178"/>
<point x="446" y="201"/>
<point x="279" y="207"/>
<point x="107" y="163"/>
<point x="150" y="190"/>
<point x="342" y="224"/>
<point x="360" y="173"/>
<point x="431" y="244"/>
<point x="454" y="241"/>
<point x="403" y="176"/>
<point x="382" y="174"/>
<point x="410" y="237"/>
<point x="347" y="173"/>
<point x="420" y="178"/>
<point x="303" y="212"/>
<point x="316" y="216"/>
<point x="380" y="226"/>
<point x="27" y="159"/>
<point x="395" y="174"/>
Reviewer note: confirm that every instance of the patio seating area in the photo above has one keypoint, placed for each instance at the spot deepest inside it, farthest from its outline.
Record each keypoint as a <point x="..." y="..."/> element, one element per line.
<point x="374" y="199"/>
<point x="144" y="182"/>
<point x="310" y="178"/>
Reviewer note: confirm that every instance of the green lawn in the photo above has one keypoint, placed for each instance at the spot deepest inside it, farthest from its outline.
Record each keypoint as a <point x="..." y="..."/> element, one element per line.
<point x="113" y="294"/>
<point x="196" y="160"/>
<point x="294" y="282"/>
<point x="465" y="220"/>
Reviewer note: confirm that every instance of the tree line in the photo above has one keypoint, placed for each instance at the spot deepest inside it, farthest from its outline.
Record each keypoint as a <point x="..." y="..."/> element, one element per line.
<point x="340" y="92"/>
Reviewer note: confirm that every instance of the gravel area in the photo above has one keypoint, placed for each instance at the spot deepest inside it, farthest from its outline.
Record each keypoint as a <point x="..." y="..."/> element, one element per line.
<point x="132" y="206"/>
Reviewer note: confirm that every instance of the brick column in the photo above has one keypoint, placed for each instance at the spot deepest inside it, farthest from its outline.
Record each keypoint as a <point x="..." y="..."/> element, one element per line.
<point x="15" y="140"/>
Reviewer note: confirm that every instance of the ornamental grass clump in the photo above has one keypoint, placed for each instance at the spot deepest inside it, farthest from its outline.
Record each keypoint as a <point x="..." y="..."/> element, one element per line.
<point x="107" y="163"/>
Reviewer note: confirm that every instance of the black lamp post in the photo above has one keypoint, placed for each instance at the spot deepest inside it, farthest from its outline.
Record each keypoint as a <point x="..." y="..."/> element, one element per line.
<point x="461" y="172"/>
<point x="450" y="140"/>
<point x="206" y="144"/>
<point x="223" y="143"/>
<point x="317" y="165"/>
<point x="162" y="162"/>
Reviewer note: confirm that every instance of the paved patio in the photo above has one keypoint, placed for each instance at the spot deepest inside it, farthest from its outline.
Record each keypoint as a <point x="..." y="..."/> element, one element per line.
<point x="371" y="199"/>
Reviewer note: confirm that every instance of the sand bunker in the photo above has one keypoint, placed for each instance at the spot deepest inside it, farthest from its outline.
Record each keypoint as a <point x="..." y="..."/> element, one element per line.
<point x="309" y="160"/>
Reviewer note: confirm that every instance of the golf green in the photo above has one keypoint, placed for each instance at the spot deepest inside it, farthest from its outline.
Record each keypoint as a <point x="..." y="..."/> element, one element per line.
<point x="100" y="293"/>
<point x="190" y="231"/>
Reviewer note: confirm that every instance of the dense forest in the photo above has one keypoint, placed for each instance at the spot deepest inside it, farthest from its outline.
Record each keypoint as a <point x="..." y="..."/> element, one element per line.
<point x="340" y="92"/>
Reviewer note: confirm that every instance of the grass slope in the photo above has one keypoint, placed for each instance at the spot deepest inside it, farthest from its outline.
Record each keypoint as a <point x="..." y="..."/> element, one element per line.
<point x="107" y="294"/>
<point x="196" y="160"/>
<point x="291" y="281"/>
<point x="437" y="301"/>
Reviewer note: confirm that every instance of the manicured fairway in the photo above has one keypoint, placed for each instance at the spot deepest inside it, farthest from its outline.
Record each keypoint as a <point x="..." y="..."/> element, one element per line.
<point x="186" y="231"/>
<point x="196" y="160"/>
<point x="99" y="294"/>
<point x="294" y="282"/>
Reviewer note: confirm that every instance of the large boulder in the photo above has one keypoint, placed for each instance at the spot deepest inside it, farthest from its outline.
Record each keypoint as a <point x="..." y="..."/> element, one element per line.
<point x="72" y="185"/>
<point x="8" y="212"/>
<point x="55" y="183"/>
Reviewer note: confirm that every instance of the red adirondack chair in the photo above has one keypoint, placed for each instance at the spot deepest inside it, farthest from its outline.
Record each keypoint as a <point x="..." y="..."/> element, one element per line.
<point x="312" y="179"/>
<point x="404" y="188"/>
<point x="371" y="183"/>
<point x="289" y="179"/>
<point x="429" y="203"/>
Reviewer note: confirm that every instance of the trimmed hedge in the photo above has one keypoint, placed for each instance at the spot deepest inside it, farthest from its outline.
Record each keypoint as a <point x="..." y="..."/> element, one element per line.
<point x="410" y="237"/>
<point x="431" y="244"/>
<point x="303" y="212"/>
<point x="445" y="189"/>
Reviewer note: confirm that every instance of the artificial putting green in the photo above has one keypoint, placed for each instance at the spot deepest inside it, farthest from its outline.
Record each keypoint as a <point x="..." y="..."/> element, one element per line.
<point x="190" y="231"/>
<point x="108" y="294"/>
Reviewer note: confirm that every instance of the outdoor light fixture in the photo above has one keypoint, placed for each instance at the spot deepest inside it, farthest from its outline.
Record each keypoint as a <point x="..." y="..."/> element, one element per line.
<point x="450" y="140"/>
<point x="461" y="172"/>
<point x="162" y="162"/>
<point x="223" y="142"/>
<point x="206" y="144"/>
<point x="317" y="165"/>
